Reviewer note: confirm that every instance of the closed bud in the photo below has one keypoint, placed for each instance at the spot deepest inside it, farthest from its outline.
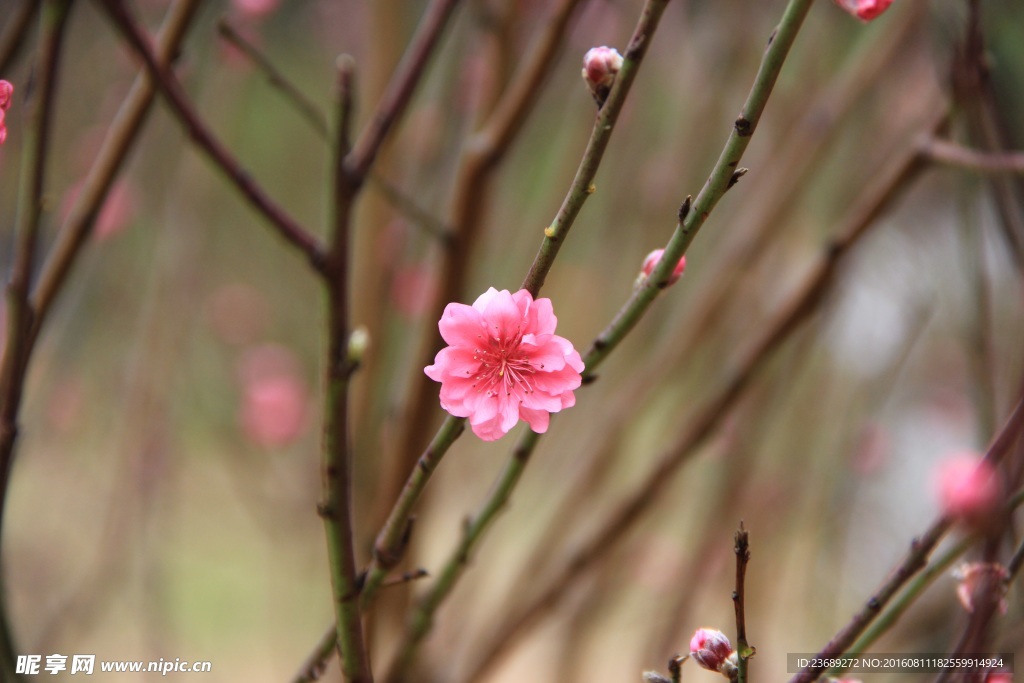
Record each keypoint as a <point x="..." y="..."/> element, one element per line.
<point x="865" y="10"/>
<point x="651" y="262"/>
<point x="712" y="650"/>
<point x="600" y="66"/>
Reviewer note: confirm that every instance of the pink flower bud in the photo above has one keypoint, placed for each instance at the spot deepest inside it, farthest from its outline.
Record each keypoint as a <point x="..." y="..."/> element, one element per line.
<point x="975" y="576"/>
<point x="968" y="488"/>
<point x="651" y="262"/>
<point x="600" y="65"/>
<point x="712" y="650"/>
<point x="865" y="10"/>
<point x="6" y="91"/>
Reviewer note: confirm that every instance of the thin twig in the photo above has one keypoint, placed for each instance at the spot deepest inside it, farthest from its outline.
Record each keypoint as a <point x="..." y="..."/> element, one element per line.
<point x="946" y="152"/>
<point x="400" y="89"/>
<point x="40" y="110"/>
<point x="743" y="649"/>
<point x="309" y="111"/>
<point x="423" y="615"/>
<point x="336" y="508"/>
<point x="169" y="86"/>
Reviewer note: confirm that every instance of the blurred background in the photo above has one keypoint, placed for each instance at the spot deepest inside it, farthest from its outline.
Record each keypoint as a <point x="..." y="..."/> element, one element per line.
<point x="163" y="500"/>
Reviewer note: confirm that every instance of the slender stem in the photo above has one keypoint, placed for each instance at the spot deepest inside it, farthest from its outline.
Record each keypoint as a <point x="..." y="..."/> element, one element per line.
<point x="390" y="544"/>
<point x="309" y="111"/>
<point x="40" y="109"/>
<point x="400" y="88"/>
<point x="906" y="599"/>
<point x="121" y="135"/>
<point x="423" y="615"/>
<point x="336" y="508"/>
<point x="582" y="184"/>
<point x="945" y="152"/>
<point x="292" y="232"/>
<point x="743" y="649"/>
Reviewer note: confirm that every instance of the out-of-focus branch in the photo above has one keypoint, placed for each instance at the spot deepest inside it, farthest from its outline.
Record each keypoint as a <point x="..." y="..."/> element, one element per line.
<point x="120" y="136"/>
<point x="946" y="152"/>
<point x="889" y="184"/>
<point x="309" y="111"/>
<point x="293" y="233"/>
<point x="40" y="110"/>
<point x="13" y="37"/>
<point x="400" y="89"/>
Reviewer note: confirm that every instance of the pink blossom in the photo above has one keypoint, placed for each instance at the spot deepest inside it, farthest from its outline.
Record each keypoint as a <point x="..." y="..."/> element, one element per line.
<point x="975" y="576"/>
<point x="999" y="677"/>
<point x="968" y="488"/>
<point x="255" y="8"/>
<point x="600" y="66"/>
<point x="651" y="262"/>
<point x="504" y="363"/>
<point x="865" y="10"/>
<point x="712" y="650"/>
<point x="275" y="400"/>
<point x="6" y="92"/>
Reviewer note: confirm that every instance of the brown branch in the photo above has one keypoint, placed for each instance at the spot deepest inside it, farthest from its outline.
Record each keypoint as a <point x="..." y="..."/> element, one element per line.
<point x="303" y="105"/>
<point x="336" y="508"/>
<point x="400" y="88"/>
<point x="293" y="233"/>
<point x="946" y="152"/>
<point x="40" y="110"/>
<point x="13" y="38"/>
<point x="743" y="649"/>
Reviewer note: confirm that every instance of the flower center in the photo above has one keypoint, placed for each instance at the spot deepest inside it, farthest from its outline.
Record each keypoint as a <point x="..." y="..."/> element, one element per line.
<point x="503" y="368"/>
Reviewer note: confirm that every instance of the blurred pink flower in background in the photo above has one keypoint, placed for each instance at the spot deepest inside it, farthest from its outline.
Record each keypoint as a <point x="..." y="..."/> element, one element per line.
<point x="412" y="290"/>
<point x="504" y="363"/>
<point x="865" y="10"/>
<point x="255" y="8"/>
<point x="275" y="399"/>
<point x="968" y="488"/>
<point x="6" y="92"/>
